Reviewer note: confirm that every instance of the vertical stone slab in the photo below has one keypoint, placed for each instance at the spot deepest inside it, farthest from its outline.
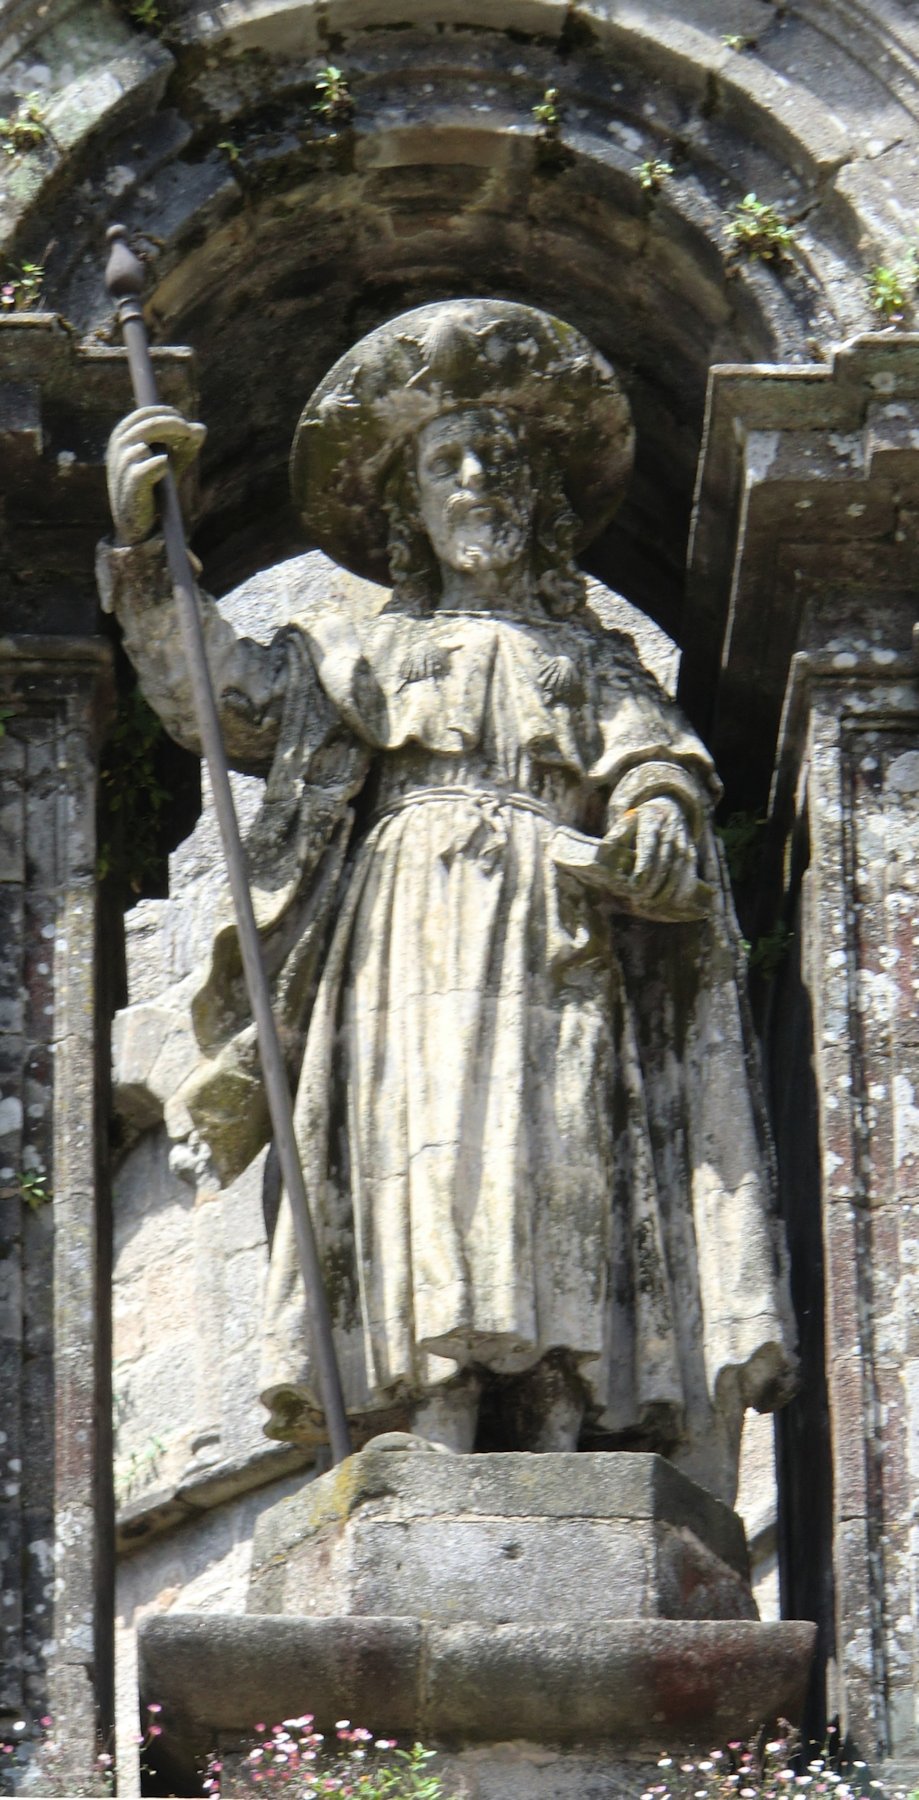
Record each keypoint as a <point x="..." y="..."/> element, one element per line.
<point x="858" y="772"/>
<point x="799" y="635"/>
<point x="53" y="1380"/>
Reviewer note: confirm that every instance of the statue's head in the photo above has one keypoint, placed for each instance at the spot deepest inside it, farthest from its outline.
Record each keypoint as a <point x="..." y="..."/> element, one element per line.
<point x="471" y="434"/>
<point x="471" y="490"/>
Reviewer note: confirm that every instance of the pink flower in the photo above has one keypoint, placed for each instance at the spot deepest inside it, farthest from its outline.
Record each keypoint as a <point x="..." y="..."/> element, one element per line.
<point x="385" y="1743"/>
<point x="154" y="1730"/>
<point x="46" y="1720"/>
<point x="154" y="1707"/>
<point x="259" y="1727"/>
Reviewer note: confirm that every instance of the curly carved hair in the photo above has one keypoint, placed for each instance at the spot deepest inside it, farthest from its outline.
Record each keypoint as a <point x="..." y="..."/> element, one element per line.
<point x="413" y="566"/>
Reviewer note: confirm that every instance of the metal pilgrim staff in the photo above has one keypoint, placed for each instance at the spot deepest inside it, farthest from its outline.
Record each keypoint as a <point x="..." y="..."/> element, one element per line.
<point x="124" y="278"/>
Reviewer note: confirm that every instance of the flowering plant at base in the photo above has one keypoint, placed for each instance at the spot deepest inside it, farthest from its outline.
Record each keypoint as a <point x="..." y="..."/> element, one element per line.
<point x="42" y="1750"/>
<point x="773" y="1769"/>
<point x="297" y="1760"/>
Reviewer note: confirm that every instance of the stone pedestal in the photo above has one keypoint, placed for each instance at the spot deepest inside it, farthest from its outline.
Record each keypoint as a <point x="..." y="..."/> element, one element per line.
<point x="583" y="1609"/>
<point x="502" y="1539"/>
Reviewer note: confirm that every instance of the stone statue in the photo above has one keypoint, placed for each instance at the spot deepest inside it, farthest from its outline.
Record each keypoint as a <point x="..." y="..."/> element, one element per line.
<point x="503" y="957"/>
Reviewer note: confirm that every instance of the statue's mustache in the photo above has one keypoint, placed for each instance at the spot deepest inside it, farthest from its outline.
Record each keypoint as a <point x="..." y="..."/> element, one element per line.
<point x="466" y="501"/>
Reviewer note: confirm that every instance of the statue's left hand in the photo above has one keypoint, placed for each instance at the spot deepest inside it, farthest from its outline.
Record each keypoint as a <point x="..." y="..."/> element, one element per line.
<point x="653" y="849"/>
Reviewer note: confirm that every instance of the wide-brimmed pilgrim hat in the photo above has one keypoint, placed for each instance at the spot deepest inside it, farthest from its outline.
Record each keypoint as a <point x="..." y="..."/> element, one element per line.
<point x="444" y="358"/>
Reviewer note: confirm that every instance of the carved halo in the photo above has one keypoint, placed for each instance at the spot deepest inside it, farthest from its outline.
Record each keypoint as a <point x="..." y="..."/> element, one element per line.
<point x="443" y="358"/>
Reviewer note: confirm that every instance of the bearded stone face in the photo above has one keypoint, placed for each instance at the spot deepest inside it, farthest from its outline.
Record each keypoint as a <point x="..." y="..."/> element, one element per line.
<point x="475" y="488"/>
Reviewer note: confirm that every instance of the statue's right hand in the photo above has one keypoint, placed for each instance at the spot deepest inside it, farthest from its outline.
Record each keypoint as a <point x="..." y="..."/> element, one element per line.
<point x="136" y="459"/>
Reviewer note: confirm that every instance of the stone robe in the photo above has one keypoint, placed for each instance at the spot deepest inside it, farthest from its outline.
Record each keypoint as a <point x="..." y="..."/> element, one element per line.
<point x="527" y="1120"/>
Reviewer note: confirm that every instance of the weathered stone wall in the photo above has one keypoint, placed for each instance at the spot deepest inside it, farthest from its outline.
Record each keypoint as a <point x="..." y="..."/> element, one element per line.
<point x="53" y="1360"/>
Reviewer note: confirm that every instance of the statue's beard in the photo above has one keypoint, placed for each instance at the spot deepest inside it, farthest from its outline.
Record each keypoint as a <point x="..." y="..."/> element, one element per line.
<point x="485" y="533"/>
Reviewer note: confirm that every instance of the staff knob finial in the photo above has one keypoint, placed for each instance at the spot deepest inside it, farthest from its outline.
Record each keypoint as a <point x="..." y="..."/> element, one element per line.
<point x="124" y="272"/>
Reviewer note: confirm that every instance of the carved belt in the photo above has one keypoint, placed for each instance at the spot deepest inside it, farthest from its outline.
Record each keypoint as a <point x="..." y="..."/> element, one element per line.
<point x="482" y="796"/>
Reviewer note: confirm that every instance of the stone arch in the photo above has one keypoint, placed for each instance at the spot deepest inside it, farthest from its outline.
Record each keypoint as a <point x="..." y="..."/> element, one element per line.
<point x="274" y="240"/>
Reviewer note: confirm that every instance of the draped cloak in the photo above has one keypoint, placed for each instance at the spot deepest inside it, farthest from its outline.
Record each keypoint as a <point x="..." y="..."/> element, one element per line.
<point x="528" y="1120"/>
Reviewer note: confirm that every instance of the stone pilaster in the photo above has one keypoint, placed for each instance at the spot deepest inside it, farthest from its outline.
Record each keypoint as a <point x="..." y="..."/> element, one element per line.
<point x="58" y="403"/>
<point x="54" y="1379"/>
<point x="856" y="757"/>
<point x="800" y="656"/>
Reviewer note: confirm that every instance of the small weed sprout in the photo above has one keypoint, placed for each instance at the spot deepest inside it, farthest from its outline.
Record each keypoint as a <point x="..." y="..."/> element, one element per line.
<point x="34" y="1189"/>
<point x="652" y="174"/>
<point x="737" y="40"/>
<point x="230" y="150"/>
<point x="21" y="291"/>
<point x="891" y="287"/>
<point x="335" y="103"/>
<point x="548" y="114"/>
<point x="759" y="231"/>
<point x="146" y="13"/>
<point x="25" y="129"/>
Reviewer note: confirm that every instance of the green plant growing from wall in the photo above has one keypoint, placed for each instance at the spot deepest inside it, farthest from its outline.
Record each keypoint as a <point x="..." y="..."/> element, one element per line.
<point x="548" y="114"/>
<point x="552" y="155"/>
<point x="145" y="13"/>
<point x="21" y="291"/>
<point x="652" y="174"/>
<point x="25" y="129"/>
<point x="737" y="40"/>
<point x="230" y="150"/>
<point x="759" y="231"/>
<point x="891" y="287"/>
<point x="34" y="1189"/>
<point x="133" y="800"/>
<point x="335" y="103"/>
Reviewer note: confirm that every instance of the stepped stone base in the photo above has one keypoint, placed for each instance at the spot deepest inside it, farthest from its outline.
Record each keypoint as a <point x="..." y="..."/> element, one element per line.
<point x="549" y="1622"/>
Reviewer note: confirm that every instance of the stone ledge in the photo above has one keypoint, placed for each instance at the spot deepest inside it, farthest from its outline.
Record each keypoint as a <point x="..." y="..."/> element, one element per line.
<point x="636" y="1683"/>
